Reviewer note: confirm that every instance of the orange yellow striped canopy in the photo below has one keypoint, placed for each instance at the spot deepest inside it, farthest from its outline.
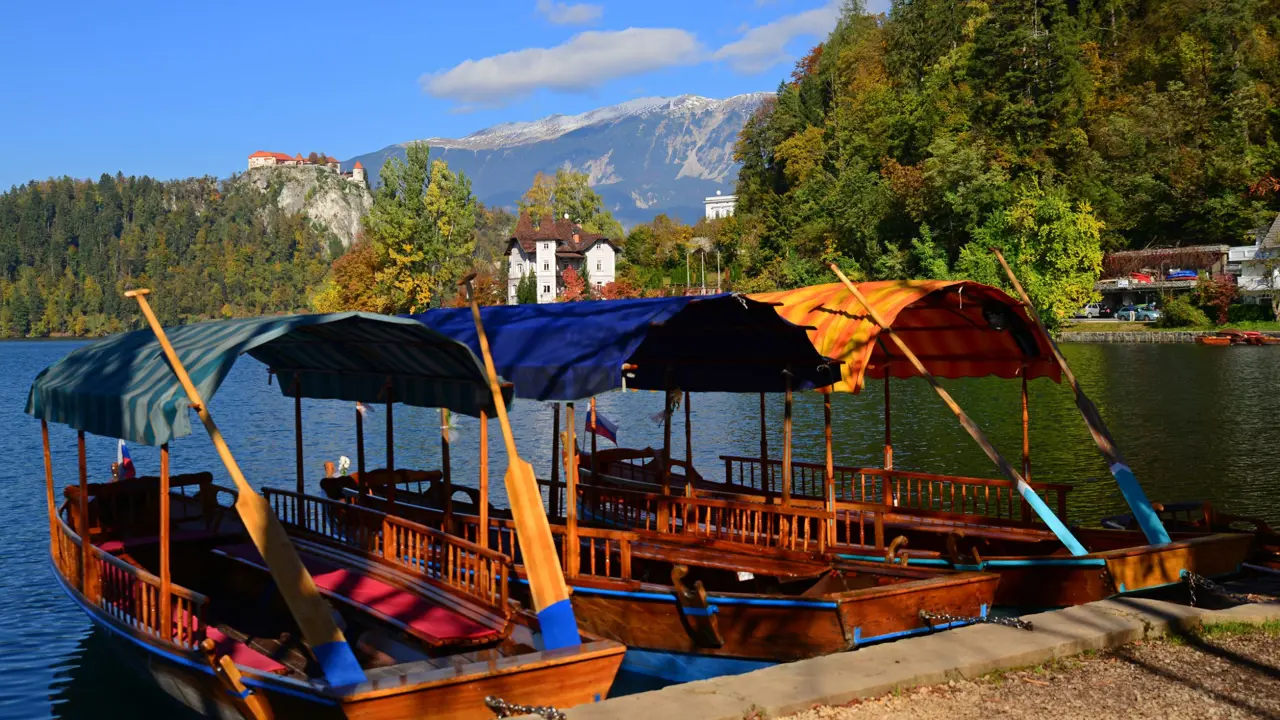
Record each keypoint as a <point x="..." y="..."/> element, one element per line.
<point x="957" y="328"/>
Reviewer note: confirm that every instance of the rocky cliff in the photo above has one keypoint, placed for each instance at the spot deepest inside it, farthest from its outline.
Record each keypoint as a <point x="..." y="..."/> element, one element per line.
<point x="324" y="196"/>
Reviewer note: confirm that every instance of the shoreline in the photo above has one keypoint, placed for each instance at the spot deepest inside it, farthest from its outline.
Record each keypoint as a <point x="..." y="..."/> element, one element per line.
<point x="1140" y="336"/>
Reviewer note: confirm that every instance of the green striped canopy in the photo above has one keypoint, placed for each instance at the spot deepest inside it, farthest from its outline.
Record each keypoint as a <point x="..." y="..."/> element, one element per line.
<point x="123" y="387"/>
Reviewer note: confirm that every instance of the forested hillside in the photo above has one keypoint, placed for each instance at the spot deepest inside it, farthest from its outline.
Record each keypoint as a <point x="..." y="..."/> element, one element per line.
<point x="908" y="145"/>
<point x="70" y="248"/>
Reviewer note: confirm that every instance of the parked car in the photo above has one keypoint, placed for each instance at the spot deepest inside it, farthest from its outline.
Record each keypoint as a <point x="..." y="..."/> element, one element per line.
<point x="1127" y="313"/>
<point x="1147" y="313"/>
<point x="1106" y="312"/>
<point x="1092" y="310"/>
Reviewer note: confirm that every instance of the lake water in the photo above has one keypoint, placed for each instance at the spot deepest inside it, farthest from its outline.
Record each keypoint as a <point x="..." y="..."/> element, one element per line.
<point x="1194" y="422"/>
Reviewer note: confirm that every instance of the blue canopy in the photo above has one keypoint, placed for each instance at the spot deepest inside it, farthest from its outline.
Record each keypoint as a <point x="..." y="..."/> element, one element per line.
<point x="123" y="387"/>
<point x="570" y="351"/>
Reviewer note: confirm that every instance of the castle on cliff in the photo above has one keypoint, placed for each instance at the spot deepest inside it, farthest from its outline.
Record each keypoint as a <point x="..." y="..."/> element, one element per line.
<point x="262" y="158"/>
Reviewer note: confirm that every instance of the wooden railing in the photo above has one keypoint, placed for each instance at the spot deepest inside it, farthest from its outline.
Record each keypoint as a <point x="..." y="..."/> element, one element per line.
<point x="904" y="490"/>
<point x="752" y="523"/>
<point x="420" y="550"/>
<point x="130" y="594"/>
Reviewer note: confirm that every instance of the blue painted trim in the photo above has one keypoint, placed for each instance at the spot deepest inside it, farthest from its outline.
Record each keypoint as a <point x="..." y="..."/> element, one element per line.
<point x="858" y="641"/>
<point x="559" y="628"/>
<point x="1146" y="516"/>
<point x="993" y="563"/>
<point x="686" y="667"/>
<point x="1055" y="524"/>
<point x="1122" y="590"/>
<point x="720" y="600"/>
<point x="707" y="611"/>
<point x="176" y="659"/>
<point x="339" y="663"/>
<point x="242" y="694"/>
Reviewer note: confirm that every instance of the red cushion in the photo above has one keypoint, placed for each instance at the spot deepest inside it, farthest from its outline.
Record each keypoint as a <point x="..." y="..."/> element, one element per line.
<point x="115" y="546"/>
<point x="242" y="654"/>
<point x="424" y="618"/>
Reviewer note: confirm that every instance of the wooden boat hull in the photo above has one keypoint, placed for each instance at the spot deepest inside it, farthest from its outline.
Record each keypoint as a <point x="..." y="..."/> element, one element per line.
<point x="1213" y="340"/>
<point x="560" y="679"/>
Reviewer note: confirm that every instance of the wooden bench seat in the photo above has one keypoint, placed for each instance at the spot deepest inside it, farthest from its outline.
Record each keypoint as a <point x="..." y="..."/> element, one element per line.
<point x="243" y="655"/>
<point x="726" y="556"/>
<point x="411" y="613"/>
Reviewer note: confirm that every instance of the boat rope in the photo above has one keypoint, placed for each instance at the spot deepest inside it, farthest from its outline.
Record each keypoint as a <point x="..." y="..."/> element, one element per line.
<point x="1019" y="623"/>
<point x="1194" y="581"/>
<point x="504" y="709"/>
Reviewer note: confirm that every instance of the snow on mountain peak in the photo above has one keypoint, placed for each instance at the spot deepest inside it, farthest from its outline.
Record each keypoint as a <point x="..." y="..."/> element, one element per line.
<point x="553" y="126"/>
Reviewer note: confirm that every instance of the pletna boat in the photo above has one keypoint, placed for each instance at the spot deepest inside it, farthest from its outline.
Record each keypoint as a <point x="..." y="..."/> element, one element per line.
<point x="290" y="605"/>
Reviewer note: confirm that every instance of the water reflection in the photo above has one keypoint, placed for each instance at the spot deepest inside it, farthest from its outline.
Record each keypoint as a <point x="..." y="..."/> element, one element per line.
<point x="94" y="683"/>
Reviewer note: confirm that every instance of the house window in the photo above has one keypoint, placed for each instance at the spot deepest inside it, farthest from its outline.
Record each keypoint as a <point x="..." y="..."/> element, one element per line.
<point x="597" y="264"/>
<point x="546" y="246"/>
<point x="546" y="266"/>
<point x="546" y="289"/>
<point x="520" y="268"/>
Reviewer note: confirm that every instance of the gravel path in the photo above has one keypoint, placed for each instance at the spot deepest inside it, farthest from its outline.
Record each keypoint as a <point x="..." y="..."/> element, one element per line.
<point x="1222" y="675"/>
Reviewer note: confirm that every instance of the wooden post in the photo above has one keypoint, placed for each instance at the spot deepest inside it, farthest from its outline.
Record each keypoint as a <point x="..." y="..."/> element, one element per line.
<point x="311" y="612"/>
<point x="594" y="465"/>
<point x="364" y="487"/>
<point x="786" y="440"/>
<point x="166" y="602"/>
<point x="764" y="449"/>
<point x="1059" y="529"/>
<point x="829" y="476"/>
<point x="483" y="539"/>
<point x="446" y="472"/>
<point x="553" y="495"/>
<point x="666" y="443"/>
<point x="1026" y="429"/>
<point x="888" y="430"/>
<point x="391" y="442"/>
<point x="297" y="426"/>
<point x="688" y="432"/>
<point x="571" y="548"/>
<point x="82" y="521"/>
<point x="1152" y="527"/>
<point x="48" y="482"/>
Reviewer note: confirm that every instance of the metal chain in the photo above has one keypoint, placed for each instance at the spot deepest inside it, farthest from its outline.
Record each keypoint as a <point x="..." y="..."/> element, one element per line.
<point x="1193" y="581"/>
<point x="504" y="709"/>
<point x="1018" y="623"/>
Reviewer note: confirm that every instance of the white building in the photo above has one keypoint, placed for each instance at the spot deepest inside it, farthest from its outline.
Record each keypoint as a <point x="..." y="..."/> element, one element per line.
<point x="554" y="245"/>
<point x="720" y="206"/>
<point x="1257" y="266"/>
<point x="263" y="158"/>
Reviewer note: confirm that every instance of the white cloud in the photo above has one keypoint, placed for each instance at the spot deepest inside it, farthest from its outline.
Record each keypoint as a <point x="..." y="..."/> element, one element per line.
<point x="765" y="46"/>
<point x="582" y="63"/>
<point x="559" y="13"/>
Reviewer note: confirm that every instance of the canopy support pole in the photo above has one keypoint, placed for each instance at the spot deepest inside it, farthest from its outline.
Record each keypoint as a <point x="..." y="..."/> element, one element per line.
<point x="82" y="518"/>
<point x="363" y="484"/>
<point x="297" y="426"/>
<point x="571" y="550"/>
<point x="888" y="424"/>
<point x="309" y="609"/>
<point x="1037" y="503"/>
<point x="666" y="443"/>
<point x="786" y="440"/>
<point x="48" y="480"/>
<point x="553" y="495"/>
<point x="594" y="466"/>
<point x="483" y="539"/>
<point x="446" y="470"/>
<point x="829" y="475"/>
<point x="391" y="442"/>
<point x="765" y="485"/>
<point x="688" y="448"/>
<point x="166" y="581"/>
<point x="1146" y="516"/>
<point x="1026" y="429"/>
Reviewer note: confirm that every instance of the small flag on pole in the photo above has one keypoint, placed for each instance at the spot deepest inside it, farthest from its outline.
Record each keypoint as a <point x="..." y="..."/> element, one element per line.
<point x="124" y="463"/>
<point x="603" y="426"/>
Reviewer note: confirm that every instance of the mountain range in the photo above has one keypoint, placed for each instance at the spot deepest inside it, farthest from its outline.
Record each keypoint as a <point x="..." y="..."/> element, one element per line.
<point x="644" y="156"/>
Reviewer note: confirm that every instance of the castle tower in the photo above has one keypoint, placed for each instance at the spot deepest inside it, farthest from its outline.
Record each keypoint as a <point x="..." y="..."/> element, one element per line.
<point x="357" y="172"/>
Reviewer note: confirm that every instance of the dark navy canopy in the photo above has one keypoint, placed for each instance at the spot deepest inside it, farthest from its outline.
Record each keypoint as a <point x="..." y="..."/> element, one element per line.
<point x="570" y="351"/>
<point x="123" y="387"/>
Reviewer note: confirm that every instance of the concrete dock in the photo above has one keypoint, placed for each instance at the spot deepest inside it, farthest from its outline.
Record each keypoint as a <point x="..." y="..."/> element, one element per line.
<point x="966" y="653"/>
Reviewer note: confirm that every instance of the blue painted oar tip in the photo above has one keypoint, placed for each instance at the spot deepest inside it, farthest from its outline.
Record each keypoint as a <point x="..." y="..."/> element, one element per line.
<point x="339" y="663"/>
<point x="559" y="628"/>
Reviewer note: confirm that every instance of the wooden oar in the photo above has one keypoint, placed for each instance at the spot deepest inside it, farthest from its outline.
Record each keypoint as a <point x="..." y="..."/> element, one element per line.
<point x="1035" y="501"/>
<point x="1146" y="516"/>
<point x="313" y="614"/>
<point x="546" y="578"/>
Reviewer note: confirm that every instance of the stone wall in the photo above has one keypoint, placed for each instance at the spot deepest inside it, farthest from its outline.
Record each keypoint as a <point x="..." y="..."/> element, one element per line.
<point x="1167" y="336"/>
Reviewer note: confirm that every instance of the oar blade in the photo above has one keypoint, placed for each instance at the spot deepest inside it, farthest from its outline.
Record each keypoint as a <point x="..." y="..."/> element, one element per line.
<point x="541" y="562"/>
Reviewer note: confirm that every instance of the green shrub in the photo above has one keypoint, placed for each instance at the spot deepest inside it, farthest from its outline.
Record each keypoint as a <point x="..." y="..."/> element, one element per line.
<point x="1250" y="313"/>
<point x="1178" y="312"/>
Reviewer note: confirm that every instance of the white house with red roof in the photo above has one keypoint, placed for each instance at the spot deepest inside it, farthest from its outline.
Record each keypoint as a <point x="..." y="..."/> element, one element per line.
<point x="554" y="245"/>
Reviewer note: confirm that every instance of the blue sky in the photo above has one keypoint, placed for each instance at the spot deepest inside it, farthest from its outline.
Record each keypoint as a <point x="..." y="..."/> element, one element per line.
<point x="173" y="89"/>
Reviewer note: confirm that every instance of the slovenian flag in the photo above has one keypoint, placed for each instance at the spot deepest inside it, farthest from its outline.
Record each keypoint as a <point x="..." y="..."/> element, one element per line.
<point x="124" y="463"/>
<point x="603" y="426"/>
